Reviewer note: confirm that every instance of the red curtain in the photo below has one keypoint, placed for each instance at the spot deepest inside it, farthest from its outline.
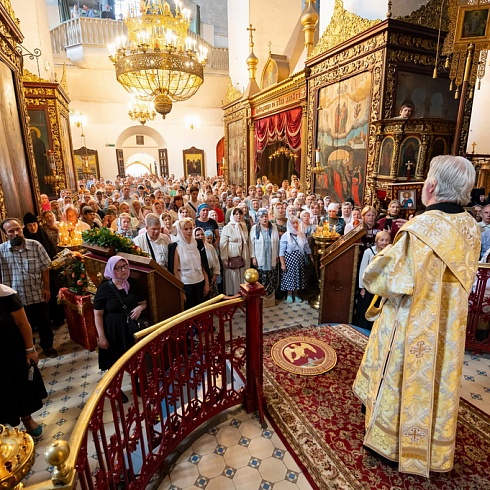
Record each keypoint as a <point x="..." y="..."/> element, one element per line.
<point x="284" y="127"/>
<point x="220" y="153"/>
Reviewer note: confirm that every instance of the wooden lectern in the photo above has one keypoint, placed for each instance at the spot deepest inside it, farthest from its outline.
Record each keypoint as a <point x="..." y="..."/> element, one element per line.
<point x="163" y="291"/>
<point x="338" y="271"/>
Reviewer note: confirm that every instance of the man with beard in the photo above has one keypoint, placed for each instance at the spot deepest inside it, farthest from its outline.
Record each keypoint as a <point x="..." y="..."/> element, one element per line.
<point x="24" y="265"/>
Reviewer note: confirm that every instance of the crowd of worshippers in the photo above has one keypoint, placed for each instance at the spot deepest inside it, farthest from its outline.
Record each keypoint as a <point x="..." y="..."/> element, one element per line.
<point x="204" y="231"/>
<point x="265" y="226"/>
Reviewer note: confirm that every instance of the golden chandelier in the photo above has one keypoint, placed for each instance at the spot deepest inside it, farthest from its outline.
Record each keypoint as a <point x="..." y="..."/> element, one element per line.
<point x="282" y="150"/>
<point x="141" y="110"/>
<point x="158" y="61"/>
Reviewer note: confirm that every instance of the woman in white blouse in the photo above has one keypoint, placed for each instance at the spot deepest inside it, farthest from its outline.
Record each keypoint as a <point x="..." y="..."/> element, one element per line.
<point x="381" y="241"/>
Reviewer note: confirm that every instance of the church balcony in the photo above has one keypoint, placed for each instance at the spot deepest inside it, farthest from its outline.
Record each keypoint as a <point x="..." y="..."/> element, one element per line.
<point x="84" y="42"/>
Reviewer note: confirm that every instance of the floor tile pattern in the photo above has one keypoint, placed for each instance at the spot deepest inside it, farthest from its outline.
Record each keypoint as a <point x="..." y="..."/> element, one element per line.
<point x="236" y="454"/>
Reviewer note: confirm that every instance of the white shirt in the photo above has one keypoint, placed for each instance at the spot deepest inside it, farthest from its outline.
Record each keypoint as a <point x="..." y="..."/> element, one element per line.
<point x="159" y="247"/>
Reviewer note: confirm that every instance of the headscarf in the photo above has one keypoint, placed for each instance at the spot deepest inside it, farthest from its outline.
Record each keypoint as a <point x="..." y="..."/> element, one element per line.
<point x="137" y="214"/>
<point x="120" y="231"/>
<point x="293" y="236"/>
<point x="274" y="210"/>
<point x="109" y="270"/>
<point x="40" y="236"/>
<point x="201" y="206"/>
<point x="6" y="291"/>
<point x="261" y="212"/>
<point x="233" y="222"/>
<point x="201" y="229"/>
<point x="186" y="249"/>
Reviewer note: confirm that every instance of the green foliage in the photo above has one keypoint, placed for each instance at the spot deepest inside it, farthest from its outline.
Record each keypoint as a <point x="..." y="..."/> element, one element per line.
<point x="104" y="237"/>
<point x="76" y="276"/>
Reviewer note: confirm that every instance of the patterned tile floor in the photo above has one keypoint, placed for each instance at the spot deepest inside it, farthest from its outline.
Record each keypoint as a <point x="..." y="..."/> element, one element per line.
<point x="236" y="454"/>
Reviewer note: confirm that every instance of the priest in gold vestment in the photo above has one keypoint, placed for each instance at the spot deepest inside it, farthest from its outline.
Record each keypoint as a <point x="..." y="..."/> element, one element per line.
<point x="409" y="378"/>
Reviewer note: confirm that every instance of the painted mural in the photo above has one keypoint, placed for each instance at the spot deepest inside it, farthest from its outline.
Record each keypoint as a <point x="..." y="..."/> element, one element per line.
<point x="342" y="137"/>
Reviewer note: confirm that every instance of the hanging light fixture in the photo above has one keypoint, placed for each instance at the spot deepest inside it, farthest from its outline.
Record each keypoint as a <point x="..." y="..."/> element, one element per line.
<point x="158" y="62"/>
<point x="282" y="150"/>
<point x="141" y="110"/>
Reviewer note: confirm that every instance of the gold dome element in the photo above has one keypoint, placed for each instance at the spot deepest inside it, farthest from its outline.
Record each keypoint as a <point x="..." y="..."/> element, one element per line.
<point x="309" y="20"/>
<point x="163" y="104"/>
<point x="251" y="276"/>
<point x="252" y="60"/>
<point x="16" y="456"/>
<point x="56" y="455"/>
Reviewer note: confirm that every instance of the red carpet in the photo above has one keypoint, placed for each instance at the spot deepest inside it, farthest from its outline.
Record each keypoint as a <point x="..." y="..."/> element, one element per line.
<point x="321" y="421"/>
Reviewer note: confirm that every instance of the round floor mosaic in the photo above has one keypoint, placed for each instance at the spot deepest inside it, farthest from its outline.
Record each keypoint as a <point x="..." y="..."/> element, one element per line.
<point x="304" y="355"/>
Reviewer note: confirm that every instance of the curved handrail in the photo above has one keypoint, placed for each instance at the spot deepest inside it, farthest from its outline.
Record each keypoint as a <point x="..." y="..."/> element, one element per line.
<point x="79" y="434"/>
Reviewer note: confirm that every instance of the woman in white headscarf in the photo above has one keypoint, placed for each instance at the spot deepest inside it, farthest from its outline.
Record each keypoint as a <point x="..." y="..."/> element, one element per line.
<point x="233" y="245"/>
<point x="332" y="220"/>
<point x="188" y="262"/>
<point x="264" y="251"/>
<point x="293" y="249"/>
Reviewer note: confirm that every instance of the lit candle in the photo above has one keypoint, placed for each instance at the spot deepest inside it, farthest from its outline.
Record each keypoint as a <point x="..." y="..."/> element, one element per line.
<point x="317" y="156"/>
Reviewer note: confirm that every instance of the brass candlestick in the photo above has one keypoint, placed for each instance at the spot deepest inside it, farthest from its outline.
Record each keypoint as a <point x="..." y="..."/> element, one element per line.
<point x="322" y="243"/>
<point x="16" y="457"/>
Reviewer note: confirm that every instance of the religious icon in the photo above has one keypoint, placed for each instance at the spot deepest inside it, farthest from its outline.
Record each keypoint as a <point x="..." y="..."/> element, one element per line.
<point x="407" y="199"/>
<point x="472" y="24"/>
<point x="386" y="156"/>
<point x="193" y="162"/>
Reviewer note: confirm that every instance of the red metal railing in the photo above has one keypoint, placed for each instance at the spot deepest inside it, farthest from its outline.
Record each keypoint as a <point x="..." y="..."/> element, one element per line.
<point x="177" y="377"/>
<point x="478" y="326"/>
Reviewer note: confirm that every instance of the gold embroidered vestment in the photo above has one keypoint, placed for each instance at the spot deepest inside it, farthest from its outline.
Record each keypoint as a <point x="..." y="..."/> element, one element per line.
<point x="409" y="377"/>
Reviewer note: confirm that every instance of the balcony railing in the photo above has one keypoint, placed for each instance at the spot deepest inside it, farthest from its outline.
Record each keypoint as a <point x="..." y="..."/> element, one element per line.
<point x="101" y="32"/>
<point x="478" y="326"/>
<point x="181" y="373"/>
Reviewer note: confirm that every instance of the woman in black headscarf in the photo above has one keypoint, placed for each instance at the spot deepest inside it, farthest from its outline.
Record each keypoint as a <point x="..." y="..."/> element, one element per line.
<point x="34" y="231"/>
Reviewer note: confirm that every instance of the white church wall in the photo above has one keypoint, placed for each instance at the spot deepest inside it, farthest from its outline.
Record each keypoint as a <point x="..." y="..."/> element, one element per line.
<point x="479" y="118"/>
<point x="33" y="21"/>
<point x="104" y="103"/>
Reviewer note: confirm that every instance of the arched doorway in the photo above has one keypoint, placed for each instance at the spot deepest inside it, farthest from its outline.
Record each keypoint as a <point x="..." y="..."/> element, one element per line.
<point x="140" y="164"/>
<point x="278" y="162"/>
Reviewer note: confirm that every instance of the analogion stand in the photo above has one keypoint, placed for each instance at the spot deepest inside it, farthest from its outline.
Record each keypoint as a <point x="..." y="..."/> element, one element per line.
<point x="79" y="313"/>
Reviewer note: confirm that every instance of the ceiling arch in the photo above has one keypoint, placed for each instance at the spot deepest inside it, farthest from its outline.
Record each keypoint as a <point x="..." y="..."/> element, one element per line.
<point x="140" y="130"/>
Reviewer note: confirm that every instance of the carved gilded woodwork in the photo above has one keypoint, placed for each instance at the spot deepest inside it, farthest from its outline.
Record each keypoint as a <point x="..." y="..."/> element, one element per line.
<point x="385" y="50"/>
<point x="232" y="93"/>
<point x="343" y="26"/>
<point x="429" y="15"/>
<point x="20" y="180"/>
<point x="276" y="69"/>
<point x="240" y="115"/>
<point x="50" y="97"/>
<point x="364" y="55"/>
<point x="236" y="142"/>
<point x="426" y="130"/>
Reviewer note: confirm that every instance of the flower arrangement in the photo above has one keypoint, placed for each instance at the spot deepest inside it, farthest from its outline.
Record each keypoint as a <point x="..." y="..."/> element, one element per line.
<point x="104" y="237"/>
<point x="77" y="276"/>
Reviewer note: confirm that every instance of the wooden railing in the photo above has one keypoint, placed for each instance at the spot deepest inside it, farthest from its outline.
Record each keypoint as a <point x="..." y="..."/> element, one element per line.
<point x="478" y="326"/>
<point x="179" y="375"/>
<point x="102" y="32"/>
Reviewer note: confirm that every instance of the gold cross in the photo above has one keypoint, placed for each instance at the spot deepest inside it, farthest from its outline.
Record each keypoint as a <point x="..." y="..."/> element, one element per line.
<point x="420" y="349"/>
<point x="415" y="434"/>
<point x="251" y="29"/>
